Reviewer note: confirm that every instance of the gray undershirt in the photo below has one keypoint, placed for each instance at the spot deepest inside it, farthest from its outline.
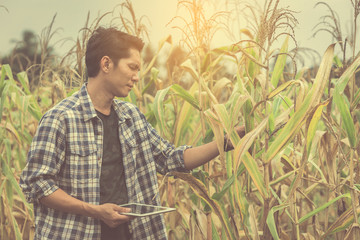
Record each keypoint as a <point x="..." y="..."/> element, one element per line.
<point x="112" y="179"/>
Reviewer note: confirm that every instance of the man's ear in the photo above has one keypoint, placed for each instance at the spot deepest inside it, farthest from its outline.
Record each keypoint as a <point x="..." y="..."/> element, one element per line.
<point x="105" y="63"/>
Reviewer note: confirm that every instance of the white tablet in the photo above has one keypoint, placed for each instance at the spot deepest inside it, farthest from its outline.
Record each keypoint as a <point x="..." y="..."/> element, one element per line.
<point x="141" y="210"/>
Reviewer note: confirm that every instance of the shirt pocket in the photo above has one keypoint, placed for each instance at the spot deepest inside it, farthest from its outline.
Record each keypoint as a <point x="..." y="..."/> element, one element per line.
<point x="83" y="164"/>
<point x="83" y="149"/>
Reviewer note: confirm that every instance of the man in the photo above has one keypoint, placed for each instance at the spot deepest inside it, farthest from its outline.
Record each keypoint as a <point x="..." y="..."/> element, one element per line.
<point x="92" y="153"/>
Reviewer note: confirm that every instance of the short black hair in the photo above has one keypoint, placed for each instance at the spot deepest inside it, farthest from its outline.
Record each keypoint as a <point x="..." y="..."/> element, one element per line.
<point x="108" y="42"/>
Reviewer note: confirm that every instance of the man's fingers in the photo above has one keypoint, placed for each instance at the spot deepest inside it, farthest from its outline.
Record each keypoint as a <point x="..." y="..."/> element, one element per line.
<point x="122" y="209"/>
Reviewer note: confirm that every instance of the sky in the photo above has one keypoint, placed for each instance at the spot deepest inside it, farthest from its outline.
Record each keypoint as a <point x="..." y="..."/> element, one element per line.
<point x="19" y="15"/>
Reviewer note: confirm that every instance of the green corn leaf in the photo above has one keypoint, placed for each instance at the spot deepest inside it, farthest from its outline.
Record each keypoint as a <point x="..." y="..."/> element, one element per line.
<point x="237" y="103"/>
<point x="347" y="120"/>
<point x="183" y="123"/>
<point x="18" y="235"/>
<point x="279" y="89"/>
<point x="242" y="146"/>
<point x="283" y="177"/>
<point x="4" y="92"/>
<point x="313" y="123"/>
<point x="10" y="128"/>
<point x="181" y="92"/>
<point x="8" y="71"/>
<point x="319" y="209"/>
<point x="356" y="100"/>
<point x="342" y="222"/>
<point x="299" y="117"/>
<point x="218" y="195"/>
<point x="270" y="220"/>
<point x="255" y="173"/>
<point x="318" y="169"/>
<point x="2" y="77"/>
<point x="224" y="117"/>
<point x="159" y="109"/>
<point x="345" y="77"/>
<point x="23" y="78"/>
<point x="154" y="75"/>
<point x="338" y="62"/>
<point x="245" y="143"/>
<point x="34" y="109"/>
<point x="10" y="177"/>
<point x="215" y="234"/>
<point x="230" y="50"/>
<point x="200" y="190"/>
<point x="242" y="202"/>
<point x="280" y="63"/>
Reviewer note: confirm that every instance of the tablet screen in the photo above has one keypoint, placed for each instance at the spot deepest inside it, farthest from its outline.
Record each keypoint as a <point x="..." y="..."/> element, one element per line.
<point x="139" y="210"/>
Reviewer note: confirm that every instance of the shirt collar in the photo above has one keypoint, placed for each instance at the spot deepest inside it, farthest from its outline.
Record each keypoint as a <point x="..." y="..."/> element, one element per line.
<point x="121" y="111"/>
<point x="89" y="109"/>
<point x="86" y="104"/>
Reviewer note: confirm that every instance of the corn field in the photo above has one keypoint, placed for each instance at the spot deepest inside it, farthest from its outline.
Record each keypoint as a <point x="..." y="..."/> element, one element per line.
<point x="294" y="175"/>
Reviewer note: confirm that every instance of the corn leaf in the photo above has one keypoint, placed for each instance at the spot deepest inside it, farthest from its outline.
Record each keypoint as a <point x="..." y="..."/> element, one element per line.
<point x="34" y="109"/>
<point x="8" y="71"/>
<point x="229" y="50"/>
<point x="218" y="195"/>
<point x="347" y="120"/>
<point x="23" y="78"/>
<point x="167" y="39"/>
<point x="200" y="190"/>
<point x="345" y="77"/>
<point x="255" y="173"/>
<point x="154" y="76"/>
<point x="342" y="222"/>
<point x="246" y="142"/>
<point x="279" y="89"/>
<point x="319" y="209"/>
<point x="159" y="109"/>
<point x="270" y="220"/>
<point x="181" y="92"/>
<point x="187" y="65"/>
<point x="356" y="100"/>
<point x="220" y="85"/>
<point x="313" y="123"/>
<point x="242" y="146"/>
<point x="311" y="99"/>
<point x="10" y="177"/>
<point x="237" y="103"/>
<point x="215" y="234"/>
<point x="280" y="63"/>
<point x="4" y="88"/>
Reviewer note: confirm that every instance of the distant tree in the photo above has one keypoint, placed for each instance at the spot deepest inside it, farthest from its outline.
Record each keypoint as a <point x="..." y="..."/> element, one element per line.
<point x="27" y="56"/>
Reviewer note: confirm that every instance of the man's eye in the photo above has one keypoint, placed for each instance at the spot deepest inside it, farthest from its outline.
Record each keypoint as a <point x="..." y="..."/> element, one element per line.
<point x="134" y="67"/>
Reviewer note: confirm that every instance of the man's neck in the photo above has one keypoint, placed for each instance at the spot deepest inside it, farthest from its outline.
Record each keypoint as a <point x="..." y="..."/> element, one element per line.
<point x="101" y="100"/>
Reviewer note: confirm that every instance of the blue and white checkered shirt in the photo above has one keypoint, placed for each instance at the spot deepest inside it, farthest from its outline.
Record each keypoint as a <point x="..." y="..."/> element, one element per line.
<point x="66" y="153"/>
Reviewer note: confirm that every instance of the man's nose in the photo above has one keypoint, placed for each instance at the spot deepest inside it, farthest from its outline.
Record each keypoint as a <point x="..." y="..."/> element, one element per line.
<point x="135" y="78"/>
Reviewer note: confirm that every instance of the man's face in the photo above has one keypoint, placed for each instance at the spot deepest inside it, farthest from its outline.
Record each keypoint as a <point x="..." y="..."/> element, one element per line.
<point x="122" y="76"/>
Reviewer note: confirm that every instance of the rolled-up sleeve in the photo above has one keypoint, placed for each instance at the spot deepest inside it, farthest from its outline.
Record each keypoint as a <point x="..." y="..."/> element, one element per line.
<point x="47" y="152"/>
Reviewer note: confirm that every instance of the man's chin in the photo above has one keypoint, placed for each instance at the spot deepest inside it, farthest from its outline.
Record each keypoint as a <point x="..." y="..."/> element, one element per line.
<point x="121" y="95"/>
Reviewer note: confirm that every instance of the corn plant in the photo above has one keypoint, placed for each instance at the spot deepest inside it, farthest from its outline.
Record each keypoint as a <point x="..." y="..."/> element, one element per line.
<point x="294" y="175"/>
<point x="19" y="113"/>
<point x="274" y="170"/>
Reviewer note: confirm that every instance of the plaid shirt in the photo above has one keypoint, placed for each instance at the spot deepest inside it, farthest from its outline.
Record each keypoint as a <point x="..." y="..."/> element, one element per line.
<point x="66" y="153"/>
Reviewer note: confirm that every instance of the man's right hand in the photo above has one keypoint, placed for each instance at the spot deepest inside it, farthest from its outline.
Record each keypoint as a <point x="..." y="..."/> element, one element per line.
<point x="110" y="214"/>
